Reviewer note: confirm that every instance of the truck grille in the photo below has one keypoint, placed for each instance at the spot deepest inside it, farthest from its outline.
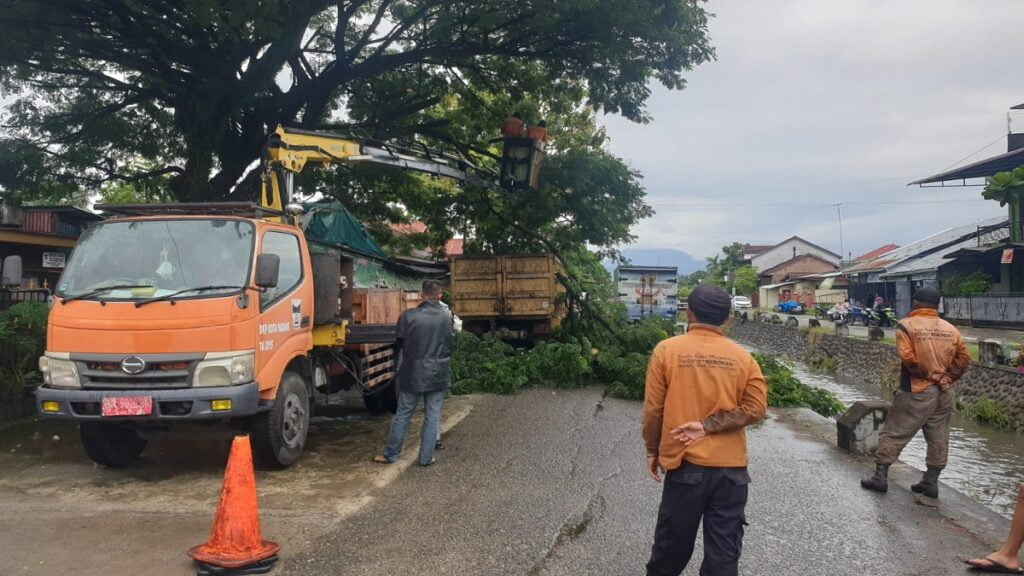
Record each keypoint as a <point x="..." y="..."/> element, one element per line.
<point x="161" y="372"/>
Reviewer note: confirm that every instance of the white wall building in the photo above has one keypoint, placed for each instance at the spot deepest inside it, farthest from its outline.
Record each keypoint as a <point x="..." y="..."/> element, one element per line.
<point x="790" y="249"/>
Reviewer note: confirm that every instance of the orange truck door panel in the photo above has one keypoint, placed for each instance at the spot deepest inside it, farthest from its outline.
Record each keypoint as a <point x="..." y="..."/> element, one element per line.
<point x="285" y="311"/>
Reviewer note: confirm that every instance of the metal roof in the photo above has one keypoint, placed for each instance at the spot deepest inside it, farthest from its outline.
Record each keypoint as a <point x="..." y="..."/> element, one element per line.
<point x="981" y="169"/>
<point x="933" y="260"/>
<point x="926" y="245"/>
<point x="876" y="253"/>
<point x="70" y="210"/>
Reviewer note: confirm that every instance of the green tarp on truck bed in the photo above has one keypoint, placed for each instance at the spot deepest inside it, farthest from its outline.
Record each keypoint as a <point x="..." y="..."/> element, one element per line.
<point x="332" y="224"/>
<point x="331" y="228"/>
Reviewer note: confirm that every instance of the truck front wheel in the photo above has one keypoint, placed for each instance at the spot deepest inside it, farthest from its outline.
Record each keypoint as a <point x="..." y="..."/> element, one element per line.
<point x="279" y="434"/>
<point x="110" y="444"/>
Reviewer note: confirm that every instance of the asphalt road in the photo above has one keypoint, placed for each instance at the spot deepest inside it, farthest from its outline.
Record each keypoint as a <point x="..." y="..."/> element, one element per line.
<point x="540" y="484"/>
<point x="552" y="483"/>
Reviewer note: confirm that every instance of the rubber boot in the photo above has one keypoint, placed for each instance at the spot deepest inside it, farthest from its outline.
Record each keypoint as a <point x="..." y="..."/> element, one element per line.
<point x="929" y="484"/>
<point x="880" y="481"/>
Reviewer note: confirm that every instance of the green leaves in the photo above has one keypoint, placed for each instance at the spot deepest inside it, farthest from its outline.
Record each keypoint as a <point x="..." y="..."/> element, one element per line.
<point x="786" y="391"/>
<point x="180" y="95"/>
<point x="1005" y="187"/>
<point x="22" y="341"/>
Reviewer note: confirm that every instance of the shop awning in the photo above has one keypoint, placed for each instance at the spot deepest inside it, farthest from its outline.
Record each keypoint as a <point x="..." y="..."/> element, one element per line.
<point x="981" y="169"/>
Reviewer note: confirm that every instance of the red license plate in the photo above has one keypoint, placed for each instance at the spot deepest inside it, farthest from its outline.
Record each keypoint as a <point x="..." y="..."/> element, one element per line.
<point x="127" y="406"/>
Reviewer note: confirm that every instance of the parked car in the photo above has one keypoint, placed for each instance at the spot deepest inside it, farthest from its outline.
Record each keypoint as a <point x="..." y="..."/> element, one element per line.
<point x="741" y="303"/>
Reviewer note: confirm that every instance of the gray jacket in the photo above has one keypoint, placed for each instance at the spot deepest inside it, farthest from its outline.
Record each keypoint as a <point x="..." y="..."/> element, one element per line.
<point x="425" y="338"/>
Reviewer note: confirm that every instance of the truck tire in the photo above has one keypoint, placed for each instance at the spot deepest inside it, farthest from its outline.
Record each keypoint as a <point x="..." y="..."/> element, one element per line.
<point x="279" y="434"/>
<point x="383" y="400"/>
<point x="110" y="444"/>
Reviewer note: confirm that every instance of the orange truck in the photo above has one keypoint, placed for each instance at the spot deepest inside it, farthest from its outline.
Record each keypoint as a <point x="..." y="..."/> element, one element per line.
<point x="219" y="312"/>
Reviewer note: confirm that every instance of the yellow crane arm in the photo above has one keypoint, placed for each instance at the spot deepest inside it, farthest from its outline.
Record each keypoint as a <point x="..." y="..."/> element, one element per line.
<point x="288" y="150"/>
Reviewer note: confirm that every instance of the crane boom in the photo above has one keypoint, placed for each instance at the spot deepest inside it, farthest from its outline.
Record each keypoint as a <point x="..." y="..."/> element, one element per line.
<point x="288" y="150"/>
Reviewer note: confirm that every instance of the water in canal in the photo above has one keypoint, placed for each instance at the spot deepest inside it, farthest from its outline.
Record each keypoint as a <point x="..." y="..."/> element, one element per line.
<point x="984" y="463"/>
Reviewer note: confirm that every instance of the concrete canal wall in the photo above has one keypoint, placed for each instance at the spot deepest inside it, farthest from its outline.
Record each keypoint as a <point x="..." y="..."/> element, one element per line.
<point x="878" y="363"/>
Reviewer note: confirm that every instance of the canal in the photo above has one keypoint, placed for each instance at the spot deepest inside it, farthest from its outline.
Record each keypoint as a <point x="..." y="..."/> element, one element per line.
<point x="985" y="463"/>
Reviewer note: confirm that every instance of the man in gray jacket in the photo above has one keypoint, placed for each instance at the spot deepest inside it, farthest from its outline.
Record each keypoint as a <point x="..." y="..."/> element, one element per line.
<point x="425" y="340"/>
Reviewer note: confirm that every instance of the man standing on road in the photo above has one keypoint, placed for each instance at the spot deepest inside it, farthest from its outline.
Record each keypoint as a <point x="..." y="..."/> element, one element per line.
<point x="933" y="357"/>
<point x="702" y="391"/>
<point x="425" y="339"/>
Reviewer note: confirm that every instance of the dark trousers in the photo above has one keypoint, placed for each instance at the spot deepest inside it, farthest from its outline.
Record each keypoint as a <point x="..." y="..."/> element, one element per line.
<point x="691" y="492"/>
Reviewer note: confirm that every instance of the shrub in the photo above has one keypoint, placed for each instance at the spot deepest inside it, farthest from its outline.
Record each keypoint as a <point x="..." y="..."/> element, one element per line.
<point x="22" y="341"/>
<point x="960" y="285"/>
<point x="988" y="412"/>
<point x="786" y="391"/>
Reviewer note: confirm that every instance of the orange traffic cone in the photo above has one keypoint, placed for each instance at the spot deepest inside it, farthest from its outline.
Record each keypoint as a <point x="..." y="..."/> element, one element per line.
<point x="235" y="545"/>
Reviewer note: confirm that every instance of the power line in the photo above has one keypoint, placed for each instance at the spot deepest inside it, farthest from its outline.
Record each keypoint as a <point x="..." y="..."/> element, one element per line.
<point x="819" y="206"/>
<point x="797" y="188"/>
<point x="975" y="153"/>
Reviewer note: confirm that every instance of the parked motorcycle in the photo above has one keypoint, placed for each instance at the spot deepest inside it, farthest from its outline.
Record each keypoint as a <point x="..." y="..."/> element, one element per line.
<point x="886" y="318"/>
<point x="858" y="316"/>
<point x="839" y="315"/>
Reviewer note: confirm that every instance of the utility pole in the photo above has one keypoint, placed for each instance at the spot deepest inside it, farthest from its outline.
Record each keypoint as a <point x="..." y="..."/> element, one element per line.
<point x="839" y="214"/>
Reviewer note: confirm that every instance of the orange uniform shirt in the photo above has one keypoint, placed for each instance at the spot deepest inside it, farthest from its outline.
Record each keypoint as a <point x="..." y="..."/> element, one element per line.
<point x="702" y="376"/>
<point x="932" y="351"/>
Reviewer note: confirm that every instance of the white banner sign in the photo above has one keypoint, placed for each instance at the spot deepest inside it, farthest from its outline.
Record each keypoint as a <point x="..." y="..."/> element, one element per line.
<point x="53" y="259"/>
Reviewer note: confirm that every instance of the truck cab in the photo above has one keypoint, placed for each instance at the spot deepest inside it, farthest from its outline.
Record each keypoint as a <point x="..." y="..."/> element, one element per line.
<point x="166" y="319"/>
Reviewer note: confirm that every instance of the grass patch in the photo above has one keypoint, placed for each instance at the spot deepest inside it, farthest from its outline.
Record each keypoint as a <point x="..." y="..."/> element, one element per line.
<point x="987" y="412"/>
<point x="822" y="362"/>
<point x="972" y="349"/>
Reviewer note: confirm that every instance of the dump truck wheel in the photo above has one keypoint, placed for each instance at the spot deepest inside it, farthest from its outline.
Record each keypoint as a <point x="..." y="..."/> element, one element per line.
<point x="279" y="434"/>
<point x="113" y="445"/>
<point x="383" y="401"/>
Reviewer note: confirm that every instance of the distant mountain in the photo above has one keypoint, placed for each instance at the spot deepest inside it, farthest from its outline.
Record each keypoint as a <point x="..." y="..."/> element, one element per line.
<point x="661" y="257"/>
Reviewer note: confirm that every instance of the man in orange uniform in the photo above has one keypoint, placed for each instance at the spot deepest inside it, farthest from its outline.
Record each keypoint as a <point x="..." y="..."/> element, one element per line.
<point x="702" y="391"/>
<point x="933" y="357"/>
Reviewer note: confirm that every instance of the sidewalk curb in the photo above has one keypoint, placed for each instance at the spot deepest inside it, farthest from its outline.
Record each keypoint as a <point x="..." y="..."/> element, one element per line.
<point x="959" y="510"/>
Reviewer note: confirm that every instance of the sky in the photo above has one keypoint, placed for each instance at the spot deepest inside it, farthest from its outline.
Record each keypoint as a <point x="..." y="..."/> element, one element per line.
<point x="819" y="102"/>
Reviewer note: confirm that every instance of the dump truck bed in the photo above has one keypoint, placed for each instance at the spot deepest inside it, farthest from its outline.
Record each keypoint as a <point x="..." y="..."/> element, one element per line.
<point x="507" y="288"/>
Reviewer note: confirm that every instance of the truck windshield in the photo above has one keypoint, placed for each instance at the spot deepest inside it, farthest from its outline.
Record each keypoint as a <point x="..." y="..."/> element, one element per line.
<point x="146" y="259"/>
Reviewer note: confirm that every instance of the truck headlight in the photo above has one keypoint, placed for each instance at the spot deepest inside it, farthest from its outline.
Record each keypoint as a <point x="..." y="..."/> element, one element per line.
<point x="59" y="371"/>
<point x="224" y="369"/>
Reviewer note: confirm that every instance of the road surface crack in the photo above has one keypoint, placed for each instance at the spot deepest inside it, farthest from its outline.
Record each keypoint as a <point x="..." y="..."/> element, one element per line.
<point x="600" y="402"/>
<point x="572" y="529"/>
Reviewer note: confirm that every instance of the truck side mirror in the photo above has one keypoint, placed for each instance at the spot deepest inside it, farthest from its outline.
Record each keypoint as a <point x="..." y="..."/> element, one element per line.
<point x="11" y="272"/>
<point x="268" y="267"/>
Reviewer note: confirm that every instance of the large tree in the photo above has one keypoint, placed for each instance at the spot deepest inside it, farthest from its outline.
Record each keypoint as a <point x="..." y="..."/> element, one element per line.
<point x="182" y="93"/>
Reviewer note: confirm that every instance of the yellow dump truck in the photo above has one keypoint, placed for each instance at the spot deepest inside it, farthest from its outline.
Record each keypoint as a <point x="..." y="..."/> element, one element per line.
<point x="518" y="296"/>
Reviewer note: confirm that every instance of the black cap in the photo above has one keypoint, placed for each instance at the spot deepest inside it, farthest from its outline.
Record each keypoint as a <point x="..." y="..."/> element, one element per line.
<point x="927" y="296"/>
<point x="710" y="304"/>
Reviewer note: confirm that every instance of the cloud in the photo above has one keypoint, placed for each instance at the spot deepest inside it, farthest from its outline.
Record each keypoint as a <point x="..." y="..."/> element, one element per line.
<point x="816" y="102"/>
